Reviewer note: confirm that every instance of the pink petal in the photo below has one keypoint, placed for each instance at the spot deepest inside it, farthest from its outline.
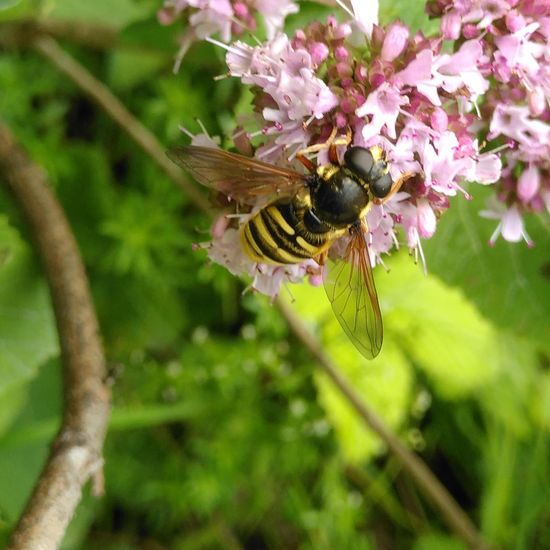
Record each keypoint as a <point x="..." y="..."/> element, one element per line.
<point x="528" y="184"/>
<point x="512" y="225"/>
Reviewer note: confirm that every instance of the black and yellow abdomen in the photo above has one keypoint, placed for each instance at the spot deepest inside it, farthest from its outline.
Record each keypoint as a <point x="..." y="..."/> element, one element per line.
<point x="286" y="232"/>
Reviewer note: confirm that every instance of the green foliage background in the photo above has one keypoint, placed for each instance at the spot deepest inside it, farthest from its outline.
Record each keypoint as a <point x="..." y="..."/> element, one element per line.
<point x="224" y="434"/>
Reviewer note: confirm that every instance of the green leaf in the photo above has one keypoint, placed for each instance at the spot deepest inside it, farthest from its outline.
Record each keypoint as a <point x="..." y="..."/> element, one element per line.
<point x="308" y="12"/>
<point x="509" y="283"/>
<point x="19" y="469"/>
<point x="437" y="325"/>
<point x="412" y="14"/>
<point x="11" y="405"/>
<point x="20" y="464"/>
<point x="27" y="330"/>
<point x="517" y="398"/>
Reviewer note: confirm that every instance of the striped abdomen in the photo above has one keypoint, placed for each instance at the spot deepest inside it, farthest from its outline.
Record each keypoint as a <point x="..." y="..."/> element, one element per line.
<point x="285" y="233"/>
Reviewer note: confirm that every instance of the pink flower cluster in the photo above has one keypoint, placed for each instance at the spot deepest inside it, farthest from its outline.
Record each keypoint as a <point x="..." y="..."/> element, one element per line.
<point x="515" y="40"/>
<point x="390" y="89"/>
<point x="226" y="18"/>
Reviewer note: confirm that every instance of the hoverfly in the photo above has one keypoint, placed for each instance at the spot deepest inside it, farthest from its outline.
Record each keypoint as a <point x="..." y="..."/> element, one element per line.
<point x="303" y="216"/>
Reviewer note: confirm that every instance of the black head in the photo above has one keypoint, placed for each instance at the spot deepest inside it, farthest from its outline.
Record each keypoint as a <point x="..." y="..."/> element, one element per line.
<point x="369" y="165"/>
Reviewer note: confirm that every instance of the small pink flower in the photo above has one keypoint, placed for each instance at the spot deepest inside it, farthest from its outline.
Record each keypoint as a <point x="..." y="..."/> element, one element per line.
<point x="487" y="169"/>
<point x="418" y="73"/>
<point x="510" y="225"/>
<point x="515" y="122"/>
<point x="383" y="105"/>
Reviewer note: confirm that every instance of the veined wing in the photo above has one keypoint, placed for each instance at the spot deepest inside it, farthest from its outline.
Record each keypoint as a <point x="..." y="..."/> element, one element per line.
<point x="240" y="178"/>
<point x="350" y="288"/>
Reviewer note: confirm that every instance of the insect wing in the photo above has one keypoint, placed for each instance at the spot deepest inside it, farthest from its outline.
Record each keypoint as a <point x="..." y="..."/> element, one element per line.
<point x="241" y="178"/>
<point x="350" y="288"/>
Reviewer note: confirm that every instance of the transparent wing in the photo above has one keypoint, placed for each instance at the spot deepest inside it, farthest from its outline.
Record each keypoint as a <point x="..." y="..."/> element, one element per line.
<point x="241" y="178"/>
<point x="350" y="288"/>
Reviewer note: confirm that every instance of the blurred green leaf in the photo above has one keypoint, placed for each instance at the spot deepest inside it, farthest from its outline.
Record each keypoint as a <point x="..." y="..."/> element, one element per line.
<point x="439" y="328"/>
<point x="27" y="329"/>
<point x="21" y="464"/>
<point x="19" y="469"/>
<point x="509" y="283"/>
<point x="309" y="11"/>
<point x="12" y="403"/>
<point x="411" y="13"/>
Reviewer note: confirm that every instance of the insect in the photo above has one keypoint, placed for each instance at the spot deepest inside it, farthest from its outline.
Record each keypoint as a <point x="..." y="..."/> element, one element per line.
<point x="304" y="215"/>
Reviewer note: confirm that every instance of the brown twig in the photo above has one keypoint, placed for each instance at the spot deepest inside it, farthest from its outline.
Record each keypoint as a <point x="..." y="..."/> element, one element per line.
<point x="101" y="95"/>
<point x="432" y="488"/>
<point x="75" y="455"/>
<point x="24" y="32"/>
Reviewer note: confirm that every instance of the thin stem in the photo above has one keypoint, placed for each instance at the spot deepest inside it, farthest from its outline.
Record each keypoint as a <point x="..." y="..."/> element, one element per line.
<point x="24" y="32"/>
<point x="101" y="95"/>
<point x="75" y="455"/>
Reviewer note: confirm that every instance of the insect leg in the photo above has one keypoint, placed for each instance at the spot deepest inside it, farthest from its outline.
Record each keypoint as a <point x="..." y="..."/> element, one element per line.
<point x="310" y="166"/>
<point x="331" y="141"/>
<point x="396" y="186"/>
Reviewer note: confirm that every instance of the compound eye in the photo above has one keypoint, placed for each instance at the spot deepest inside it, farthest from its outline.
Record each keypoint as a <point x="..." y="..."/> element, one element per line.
<point x="360" y="161"/>
<point x="381" y="186"/>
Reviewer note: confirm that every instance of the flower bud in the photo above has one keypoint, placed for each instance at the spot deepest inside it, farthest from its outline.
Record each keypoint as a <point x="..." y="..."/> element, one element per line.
<point x="344" y="70"/>
<point x="528" y="184"/>
<point x="395" y="41"/>
<point x="341" y="120"/>
<point x="241" y="10"/>
<point x="348" y="105"/>
<point x="377" y="37"/>
<point x="341" y="54"/>
<point x="451" y="24"/>
<point x="470" y="31"/>
<point x="377" y="79"/>
<point x="319" y="52"/>
<point x="361" y="73"/>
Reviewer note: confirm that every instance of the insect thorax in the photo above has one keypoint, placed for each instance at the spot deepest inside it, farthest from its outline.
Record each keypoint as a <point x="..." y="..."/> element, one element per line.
<point x="339" y="197"/>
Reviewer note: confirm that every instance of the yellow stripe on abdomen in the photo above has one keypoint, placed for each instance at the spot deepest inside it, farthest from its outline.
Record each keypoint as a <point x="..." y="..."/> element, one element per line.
<point x="274" y="213"/>
<point x="262" y="246"/>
